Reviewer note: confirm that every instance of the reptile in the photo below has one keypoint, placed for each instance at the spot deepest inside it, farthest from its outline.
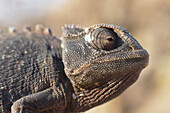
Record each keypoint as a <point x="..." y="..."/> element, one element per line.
<point x="86" y="67"/>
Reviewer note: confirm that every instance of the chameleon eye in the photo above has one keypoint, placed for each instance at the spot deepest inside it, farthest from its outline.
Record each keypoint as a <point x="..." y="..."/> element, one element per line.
<point x="103" y="39"/>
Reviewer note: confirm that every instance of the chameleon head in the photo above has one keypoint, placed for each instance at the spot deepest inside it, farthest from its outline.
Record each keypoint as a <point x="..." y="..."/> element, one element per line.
<point x="103" y="54"/>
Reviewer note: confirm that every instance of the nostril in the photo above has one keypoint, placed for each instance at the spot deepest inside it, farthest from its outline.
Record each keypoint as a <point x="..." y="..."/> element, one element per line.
<point x="131" y="48"/>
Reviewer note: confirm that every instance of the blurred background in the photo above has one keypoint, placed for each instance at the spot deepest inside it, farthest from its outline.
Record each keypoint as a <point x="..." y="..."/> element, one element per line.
<point x="147" y="20"/>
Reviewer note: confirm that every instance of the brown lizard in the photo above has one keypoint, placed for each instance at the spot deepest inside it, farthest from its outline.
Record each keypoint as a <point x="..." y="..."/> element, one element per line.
<point x="87" y="67"/>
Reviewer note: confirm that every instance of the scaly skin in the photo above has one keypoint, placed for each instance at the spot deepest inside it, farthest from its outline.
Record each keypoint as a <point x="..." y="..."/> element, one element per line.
<point x="99" y="74"/>
<point x="88" y="67"/>
<point x="31" y="63"/>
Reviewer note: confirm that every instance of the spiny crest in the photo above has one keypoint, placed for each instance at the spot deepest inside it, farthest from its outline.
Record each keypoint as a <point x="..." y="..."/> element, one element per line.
<point x="73" y="26"/>
<point x="12" y="30"/>
<point x="39" y="29"/>
<point x="48" y="31"/>
<point x="27" y="29"/>
<point x="73" y="31"/>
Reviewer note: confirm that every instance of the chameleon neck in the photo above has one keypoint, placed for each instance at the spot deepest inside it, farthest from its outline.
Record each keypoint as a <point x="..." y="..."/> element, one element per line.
<point x="86" y="99"/>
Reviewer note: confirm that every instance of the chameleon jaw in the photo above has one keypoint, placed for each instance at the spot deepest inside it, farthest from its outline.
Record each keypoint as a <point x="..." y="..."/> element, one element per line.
<point x="100" y="59"/>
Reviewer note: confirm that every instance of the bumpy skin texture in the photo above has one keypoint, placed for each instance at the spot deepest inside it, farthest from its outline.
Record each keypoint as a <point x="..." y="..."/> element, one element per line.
<point x="31" y="63"/>
<point x="98" y="74"/>
<point x="88" y="67"/>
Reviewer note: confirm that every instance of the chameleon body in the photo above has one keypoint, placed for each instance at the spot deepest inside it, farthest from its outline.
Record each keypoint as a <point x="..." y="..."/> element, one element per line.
<point x="85" y="68"/>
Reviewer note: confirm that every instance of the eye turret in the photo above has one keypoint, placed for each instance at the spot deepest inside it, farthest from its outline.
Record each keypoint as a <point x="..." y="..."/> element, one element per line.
<point x="103" y="39"/>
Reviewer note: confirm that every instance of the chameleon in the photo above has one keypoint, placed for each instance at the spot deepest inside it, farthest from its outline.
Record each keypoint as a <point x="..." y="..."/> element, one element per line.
<point x="84" y="68"/>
